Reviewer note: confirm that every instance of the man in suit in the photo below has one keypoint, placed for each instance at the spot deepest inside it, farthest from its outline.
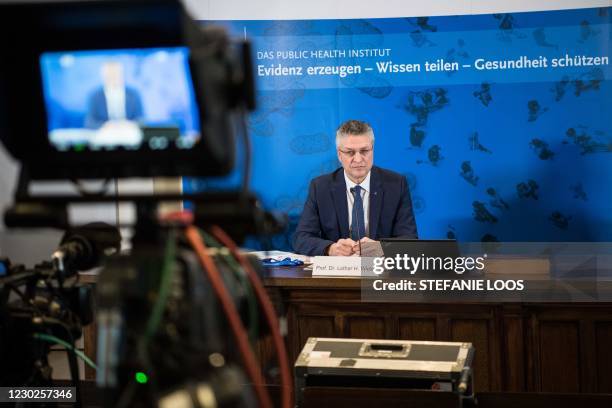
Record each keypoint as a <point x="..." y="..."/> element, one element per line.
<point x="356" y="202"/>
<point x="114" y="100"/>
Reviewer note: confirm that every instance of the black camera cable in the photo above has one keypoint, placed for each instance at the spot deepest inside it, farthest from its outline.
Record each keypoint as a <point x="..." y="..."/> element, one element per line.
<point x="244" y="134"/>
<point x="261" y="230"/>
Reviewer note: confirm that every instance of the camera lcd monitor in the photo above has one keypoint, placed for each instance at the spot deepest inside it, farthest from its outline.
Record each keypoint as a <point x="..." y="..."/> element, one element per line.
<point x="129" y="99"/>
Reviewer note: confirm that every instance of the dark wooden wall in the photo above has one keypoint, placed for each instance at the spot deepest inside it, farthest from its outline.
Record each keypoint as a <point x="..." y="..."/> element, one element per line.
<point x="519" y="347"/>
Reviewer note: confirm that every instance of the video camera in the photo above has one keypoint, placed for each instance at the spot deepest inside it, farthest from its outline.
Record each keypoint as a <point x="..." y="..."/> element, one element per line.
<point x="133" y="88"/>
<point x="175" y="82"/>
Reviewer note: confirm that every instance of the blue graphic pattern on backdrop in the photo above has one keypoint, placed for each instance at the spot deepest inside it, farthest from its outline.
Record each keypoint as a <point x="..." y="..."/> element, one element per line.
<point x="517" y="154"/>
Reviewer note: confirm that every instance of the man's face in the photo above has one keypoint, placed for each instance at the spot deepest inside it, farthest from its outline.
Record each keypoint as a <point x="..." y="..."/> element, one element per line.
<point x="356" y="153"/>
<point x="112" y="75"/>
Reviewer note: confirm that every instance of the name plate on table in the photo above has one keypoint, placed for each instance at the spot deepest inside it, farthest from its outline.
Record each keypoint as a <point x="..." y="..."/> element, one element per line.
<point x="347" y="266"/>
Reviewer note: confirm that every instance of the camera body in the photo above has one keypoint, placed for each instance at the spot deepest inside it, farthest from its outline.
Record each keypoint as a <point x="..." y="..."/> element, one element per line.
<point x="192" y="345"/>
<point x="79" y="35"/>
<point x="167" y="90"/>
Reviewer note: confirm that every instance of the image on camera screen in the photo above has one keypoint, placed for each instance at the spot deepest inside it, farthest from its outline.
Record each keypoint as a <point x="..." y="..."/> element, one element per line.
<point x="130" y="98"/>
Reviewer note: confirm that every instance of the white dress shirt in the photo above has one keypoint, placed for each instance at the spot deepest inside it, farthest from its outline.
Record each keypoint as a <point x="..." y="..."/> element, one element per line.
<point x="115" y="102"/>
<point x="365" y="197"/>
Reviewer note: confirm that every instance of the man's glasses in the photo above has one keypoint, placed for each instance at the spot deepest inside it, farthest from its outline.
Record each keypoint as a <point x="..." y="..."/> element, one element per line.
<point x="351" y="153"/>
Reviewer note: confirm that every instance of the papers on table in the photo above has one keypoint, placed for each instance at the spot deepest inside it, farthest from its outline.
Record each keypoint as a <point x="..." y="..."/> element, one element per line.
<point x="280" y="255"/>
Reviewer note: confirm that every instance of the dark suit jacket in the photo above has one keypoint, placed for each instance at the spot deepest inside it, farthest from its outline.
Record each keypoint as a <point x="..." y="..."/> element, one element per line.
<point x="97" y="112"/>
<point x="325" y="216"/>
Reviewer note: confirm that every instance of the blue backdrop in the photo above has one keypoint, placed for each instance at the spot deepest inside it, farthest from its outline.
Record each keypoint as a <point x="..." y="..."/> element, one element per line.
<point x="514" y="154"/>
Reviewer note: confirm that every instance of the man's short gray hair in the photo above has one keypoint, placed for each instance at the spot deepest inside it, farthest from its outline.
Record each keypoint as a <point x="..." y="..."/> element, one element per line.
<point x="354" y="128"/>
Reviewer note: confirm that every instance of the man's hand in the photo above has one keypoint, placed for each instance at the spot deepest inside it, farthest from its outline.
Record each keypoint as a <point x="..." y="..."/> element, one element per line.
<point x="344" y="247"/>
<point x="362" y="240"/>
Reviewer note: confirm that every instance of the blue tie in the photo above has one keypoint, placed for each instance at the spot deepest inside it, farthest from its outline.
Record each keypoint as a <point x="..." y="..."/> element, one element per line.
<point x="357" y="221"/>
